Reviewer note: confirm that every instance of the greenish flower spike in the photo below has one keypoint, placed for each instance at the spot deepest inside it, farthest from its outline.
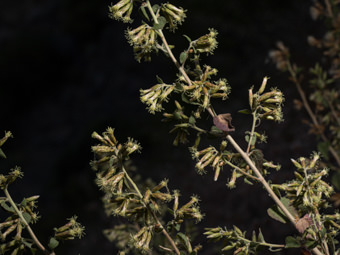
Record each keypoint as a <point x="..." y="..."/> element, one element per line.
<point x="122" y="11"/>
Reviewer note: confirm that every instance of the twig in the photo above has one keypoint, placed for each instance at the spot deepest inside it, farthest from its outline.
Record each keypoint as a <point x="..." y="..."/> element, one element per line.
<point x="30" y="231"/>
<point x="310" y="112"/>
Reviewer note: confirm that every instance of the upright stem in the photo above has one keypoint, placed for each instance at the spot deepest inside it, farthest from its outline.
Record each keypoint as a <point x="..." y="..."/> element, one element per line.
<point x="30" y="231"/>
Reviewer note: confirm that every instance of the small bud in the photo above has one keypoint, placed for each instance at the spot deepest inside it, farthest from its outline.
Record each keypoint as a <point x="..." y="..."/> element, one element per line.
<point x="263" y="85"/>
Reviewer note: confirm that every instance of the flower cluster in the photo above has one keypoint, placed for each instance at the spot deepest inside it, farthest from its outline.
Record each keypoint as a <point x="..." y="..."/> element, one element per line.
<point x="5" y="180"/>
<point x="72" y="229"/>
<point x="144" y="41"/>
<point x="203" y="89"/>
<point x="122" y="11"/>
<point x="266" y="105"/>
<point x="206" y="43"/>
<point x="123" y="196"/>
<point x="155" y="96"/>
<point x="174" y="15"/>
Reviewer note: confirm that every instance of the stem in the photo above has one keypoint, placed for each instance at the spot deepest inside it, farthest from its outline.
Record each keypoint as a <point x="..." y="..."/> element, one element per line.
<point x="30" y="231"/>
<point x="263" y="244"/>
<point x="261" y="179"/>
<point x="165" y="233"/>
<point x="161" y="35"/>
<point x="310" y="112"/>
<point x="252" y="131"/>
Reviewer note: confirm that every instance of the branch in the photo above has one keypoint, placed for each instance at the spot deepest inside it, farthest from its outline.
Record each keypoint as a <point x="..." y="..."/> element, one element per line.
<point x="30" y="231"/>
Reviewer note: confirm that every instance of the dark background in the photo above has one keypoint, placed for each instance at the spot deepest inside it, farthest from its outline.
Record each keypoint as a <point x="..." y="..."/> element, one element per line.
<point x="67" y="70"/>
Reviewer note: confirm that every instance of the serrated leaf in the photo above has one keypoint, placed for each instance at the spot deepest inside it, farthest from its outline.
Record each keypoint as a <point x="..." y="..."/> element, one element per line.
<point x="2" y="154"/>
<point x="188" y="38"/>
<point x="27" y="217"/>
<point x="144" y="13"/>
<point x="292" y="242"/>
<point x="183" y="57"/>
<point x="161" y="23"/>
<point x="53" y="243"/>
<point x="185" y="241"/>
<point x="7" y="207"/>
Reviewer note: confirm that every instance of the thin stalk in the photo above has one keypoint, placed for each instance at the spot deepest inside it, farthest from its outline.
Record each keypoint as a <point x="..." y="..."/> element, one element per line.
<point x="30" y="231"/>
<point x="263" y="244"/>
<point x="252" y="131"/>
<point x="165" y="233"/>
<point x="311" y="114"/>
<point x="243" y="172"/>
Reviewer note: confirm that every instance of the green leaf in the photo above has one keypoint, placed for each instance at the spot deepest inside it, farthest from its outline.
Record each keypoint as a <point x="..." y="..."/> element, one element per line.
<point x="292" y="242"/>
<point x="323" y="149"/>
<point x="185" y="241"/>
<point x="188" y="38"/>
<point x="245" y="111"/>
<point x="2" y="154"/>
<point x="159" y="79"/>
<point x="155" y="7"/>
<point x="277" y="214"/>
<point x="285" y="201"/>
<point x="53" y="243"/>
<point x="27" y="217"/>
<point x="310" y="244"/>
<point x="144" y="13"/>
<point x="260" y="237"/>
<point x="7" y="207"/>
<point x="183" y="57"/>
<point x="161" y="23"/>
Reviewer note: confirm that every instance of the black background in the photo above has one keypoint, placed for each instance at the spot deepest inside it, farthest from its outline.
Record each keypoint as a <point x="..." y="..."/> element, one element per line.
<point x="67" y="70"/>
